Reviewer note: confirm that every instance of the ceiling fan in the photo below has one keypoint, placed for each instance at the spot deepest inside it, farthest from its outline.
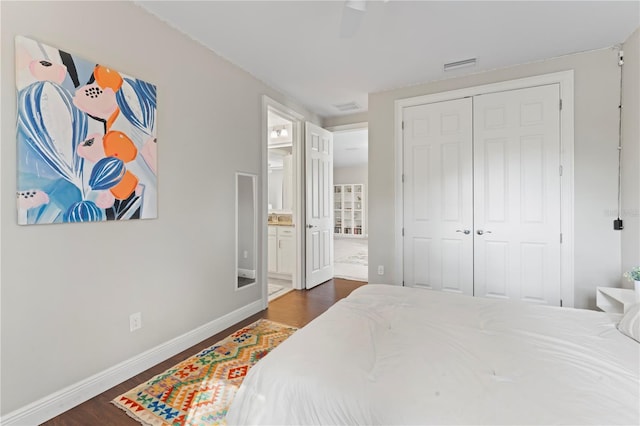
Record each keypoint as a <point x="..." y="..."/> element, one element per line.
<point x="360" y="5"/>
<point x="352" y="15"/>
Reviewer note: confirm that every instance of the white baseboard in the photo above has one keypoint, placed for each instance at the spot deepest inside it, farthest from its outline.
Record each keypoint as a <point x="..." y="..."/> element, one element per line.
<point x="247" y="273"/>
<point x="58" y="402"/>
<point x="279" y="276"/>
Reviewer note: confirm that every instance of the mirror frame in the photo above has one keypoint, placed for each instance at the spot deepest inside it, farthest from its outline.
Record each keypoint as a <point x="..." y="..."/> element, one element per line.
<point x="254" y="244"/>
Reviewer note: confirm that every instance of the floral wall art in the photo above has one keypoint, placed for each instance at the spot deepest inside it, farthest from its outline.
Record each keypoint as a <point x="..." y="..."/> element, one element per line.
<point x="86" y="139"/>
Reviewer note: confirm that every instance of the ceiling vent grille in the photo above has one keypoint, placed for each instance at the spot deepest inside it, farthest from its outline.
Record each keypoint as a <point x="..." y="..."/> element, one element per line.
<point x="349" y="106"/>
<point x="460" y="64"/>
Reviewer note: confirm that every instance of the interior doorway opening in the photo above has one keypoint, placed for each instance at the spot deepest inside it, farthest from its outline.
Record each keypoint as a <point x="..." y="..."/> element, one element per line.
<point x="283" y="209"/>
<point x="350" y="201"/>
<point x="281" y="204"/>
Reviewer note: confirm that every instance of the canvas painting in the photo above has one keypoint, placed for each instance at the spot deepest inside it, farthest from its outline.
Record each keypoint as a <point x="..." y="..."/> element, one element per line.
<point x="87" y="148"/>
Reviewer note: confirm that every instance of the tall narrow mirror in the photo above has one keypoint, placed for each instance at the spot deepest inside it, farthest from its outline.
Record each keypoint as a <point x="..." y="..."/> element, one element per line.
<point x="246" y="225"/>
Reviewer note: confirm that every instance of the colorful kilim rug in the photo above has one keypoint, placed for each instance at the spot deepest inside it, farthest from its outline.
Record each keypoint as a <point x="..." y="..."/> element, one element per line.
<point x="199" y="390"/>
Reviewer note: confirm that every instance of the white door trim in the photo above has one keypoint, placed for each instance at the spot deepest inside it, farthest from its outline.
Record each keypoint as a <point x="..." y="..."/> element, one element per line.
<point x="298" y="217"/>
<point x="565" y="80"/>
<point x="352" y="126"/>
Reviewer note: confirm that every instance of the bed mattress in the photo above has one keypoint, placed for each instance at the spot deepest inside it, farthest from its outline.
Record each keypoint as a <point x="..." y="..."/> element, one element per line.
<point x="397" y="355"/>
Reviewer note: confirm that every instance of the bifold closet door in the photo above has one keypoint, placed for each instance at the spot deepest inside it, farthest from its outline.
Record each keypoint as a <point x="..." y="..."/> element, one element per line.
<point x="438" y="239"/>
<point x="517" y="195"/>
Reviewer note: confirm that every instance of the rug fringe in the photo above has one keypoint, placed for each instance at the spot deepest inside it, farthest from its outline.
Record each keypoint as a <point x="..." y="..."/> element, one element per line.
<point x="130" y="414"/>
<point x="277" y="323"/>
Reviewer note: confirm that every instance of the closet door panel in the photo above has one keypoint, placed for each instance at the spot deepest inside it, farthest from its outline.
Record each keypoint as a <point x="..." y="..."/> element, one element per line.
<point x="494" y="258"/>
<point x="493" y="184"/>
<point x="437" y="157"/>
<point x="517" y="195"/>
<point x="532" y="199"/>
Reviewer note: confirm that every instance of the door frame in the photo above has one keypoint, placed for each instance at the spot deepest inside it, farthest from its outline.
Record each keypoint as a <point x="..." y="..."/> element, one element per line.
<point x="297" y="119"/>
<point x="565" y="81"/>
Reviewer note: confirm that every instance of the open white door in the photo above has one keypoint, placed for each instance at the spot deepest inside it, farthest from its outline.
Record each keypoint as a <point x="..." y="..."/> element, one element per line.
<point x="319" y="204"/>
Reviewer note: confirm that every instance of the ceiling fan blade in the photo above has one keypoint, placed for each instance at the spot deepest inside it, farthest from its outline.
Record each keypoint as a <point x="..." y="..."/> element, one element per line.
<point x="359" y="5"/>
<point x="352" y="15"/>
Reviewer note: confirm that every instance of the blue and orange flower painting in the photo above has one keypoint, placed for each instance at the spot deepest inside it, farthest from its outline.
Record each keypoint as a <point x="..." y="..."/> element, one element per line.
<point x="87" y="148"/>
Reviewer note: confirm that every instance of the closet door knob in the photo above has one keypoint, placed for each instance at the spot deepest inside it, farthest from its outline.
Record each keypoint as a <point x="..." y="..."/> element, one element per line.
<point x="465" y="232"/>
<point x="480" y="232"/>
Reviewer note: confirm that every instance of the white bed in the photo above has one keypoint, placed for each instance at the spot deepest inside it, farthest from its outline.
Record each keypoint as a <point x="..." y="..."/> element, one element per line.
<point x="397" y="355"/>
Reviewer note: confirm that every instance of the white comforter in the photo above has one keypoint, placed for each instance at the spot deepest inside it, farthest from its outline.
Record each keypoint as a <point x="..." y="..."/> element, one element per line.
<point x="396" y="355"/>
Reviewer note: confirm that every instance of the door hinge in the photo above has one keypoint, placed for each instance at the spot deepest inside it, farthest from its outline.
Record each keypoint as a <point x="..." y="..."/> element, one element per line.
<point x="560" y="238"/>
<point x="560" y="170"/>
<point x="561" y="303"/>
<point x="403" y="232"/>
<point x="402" y="125"/>
<point x="403" y="283"/>
<point x="403" y="178"/>
<point x="560" y="104"/>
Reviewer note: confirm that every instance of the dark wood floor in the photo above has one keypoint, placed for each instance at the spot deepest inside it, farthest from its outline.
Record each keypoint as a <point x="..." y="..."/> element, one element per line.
<point x="296" y="308"/>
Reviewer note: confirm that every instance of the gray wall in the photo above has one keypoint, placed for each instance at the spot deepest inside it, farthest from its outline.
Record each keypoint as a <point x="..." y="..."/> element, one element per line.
<point x="597" y="246"/>
<point x="631" y="154"/>
<point x="355" y="174"/>
<point x="179" y="270"/>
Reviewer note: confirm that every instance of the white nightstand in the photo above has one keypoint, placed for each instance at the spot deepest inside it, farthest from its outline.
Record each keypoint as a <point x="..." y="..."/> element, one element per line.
<point x="615" y="300"/>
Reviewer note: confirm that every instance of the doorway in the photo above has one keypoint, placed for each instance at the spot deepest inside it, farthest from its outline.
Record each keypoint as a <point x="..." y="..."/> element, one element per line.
<point x="281" y="264"/>
<point x="350" y="194"/>
<point x="281" y="204"/>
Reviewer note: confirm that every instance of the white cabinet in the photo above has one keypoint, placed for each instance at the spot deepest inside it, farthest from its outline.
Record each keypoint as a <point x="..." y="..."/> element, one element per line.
<point x="349" y="209"/>
<point x="286" y="254"/>
<point x="281" y="247"/>
<point x="273" y="249"/>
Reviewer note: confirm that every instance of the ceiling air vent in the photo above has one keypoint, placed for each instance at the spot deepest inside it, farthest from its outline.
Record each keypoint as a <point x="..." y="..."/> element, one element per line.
<point x="349" y="106"/>
<point x="460" y="64"/>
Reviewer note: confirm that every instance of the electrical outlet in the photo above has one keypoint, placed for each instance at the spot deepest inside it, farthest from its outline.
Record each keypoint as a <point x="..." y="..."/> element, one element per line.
<point x="245" y="254"/>
<point x="380" y="270"/>
<point x="135" y="321"/>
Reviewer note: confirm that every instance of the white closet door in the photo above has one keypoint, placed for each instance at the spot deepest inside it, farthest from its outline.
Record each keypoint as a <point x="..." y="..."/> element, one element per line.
<point x="517" y="195"/>
<point x="438" y="254"/>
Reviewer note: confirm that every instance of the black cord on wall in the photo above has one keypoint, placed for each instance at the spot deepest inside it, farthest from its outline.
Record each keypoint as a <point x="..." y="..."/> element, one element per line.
<point x="617" y="224"/>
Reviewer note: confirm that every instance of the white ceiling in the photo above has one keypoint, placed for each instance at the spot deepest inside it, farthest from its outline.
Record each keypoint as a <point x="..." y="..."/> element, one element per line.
<point x="322" y="53"/>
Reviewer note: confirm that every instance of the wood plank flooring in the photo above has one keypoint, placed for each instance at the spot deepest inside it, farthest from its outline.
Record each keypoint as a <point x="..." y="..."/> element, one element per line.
<point x="296" y="308"/>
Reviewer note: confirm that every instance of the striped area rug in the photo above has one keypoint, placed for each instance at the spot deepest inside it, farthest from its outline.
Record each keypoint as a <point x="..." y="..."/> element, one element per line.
<point x="199" y="390"/>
